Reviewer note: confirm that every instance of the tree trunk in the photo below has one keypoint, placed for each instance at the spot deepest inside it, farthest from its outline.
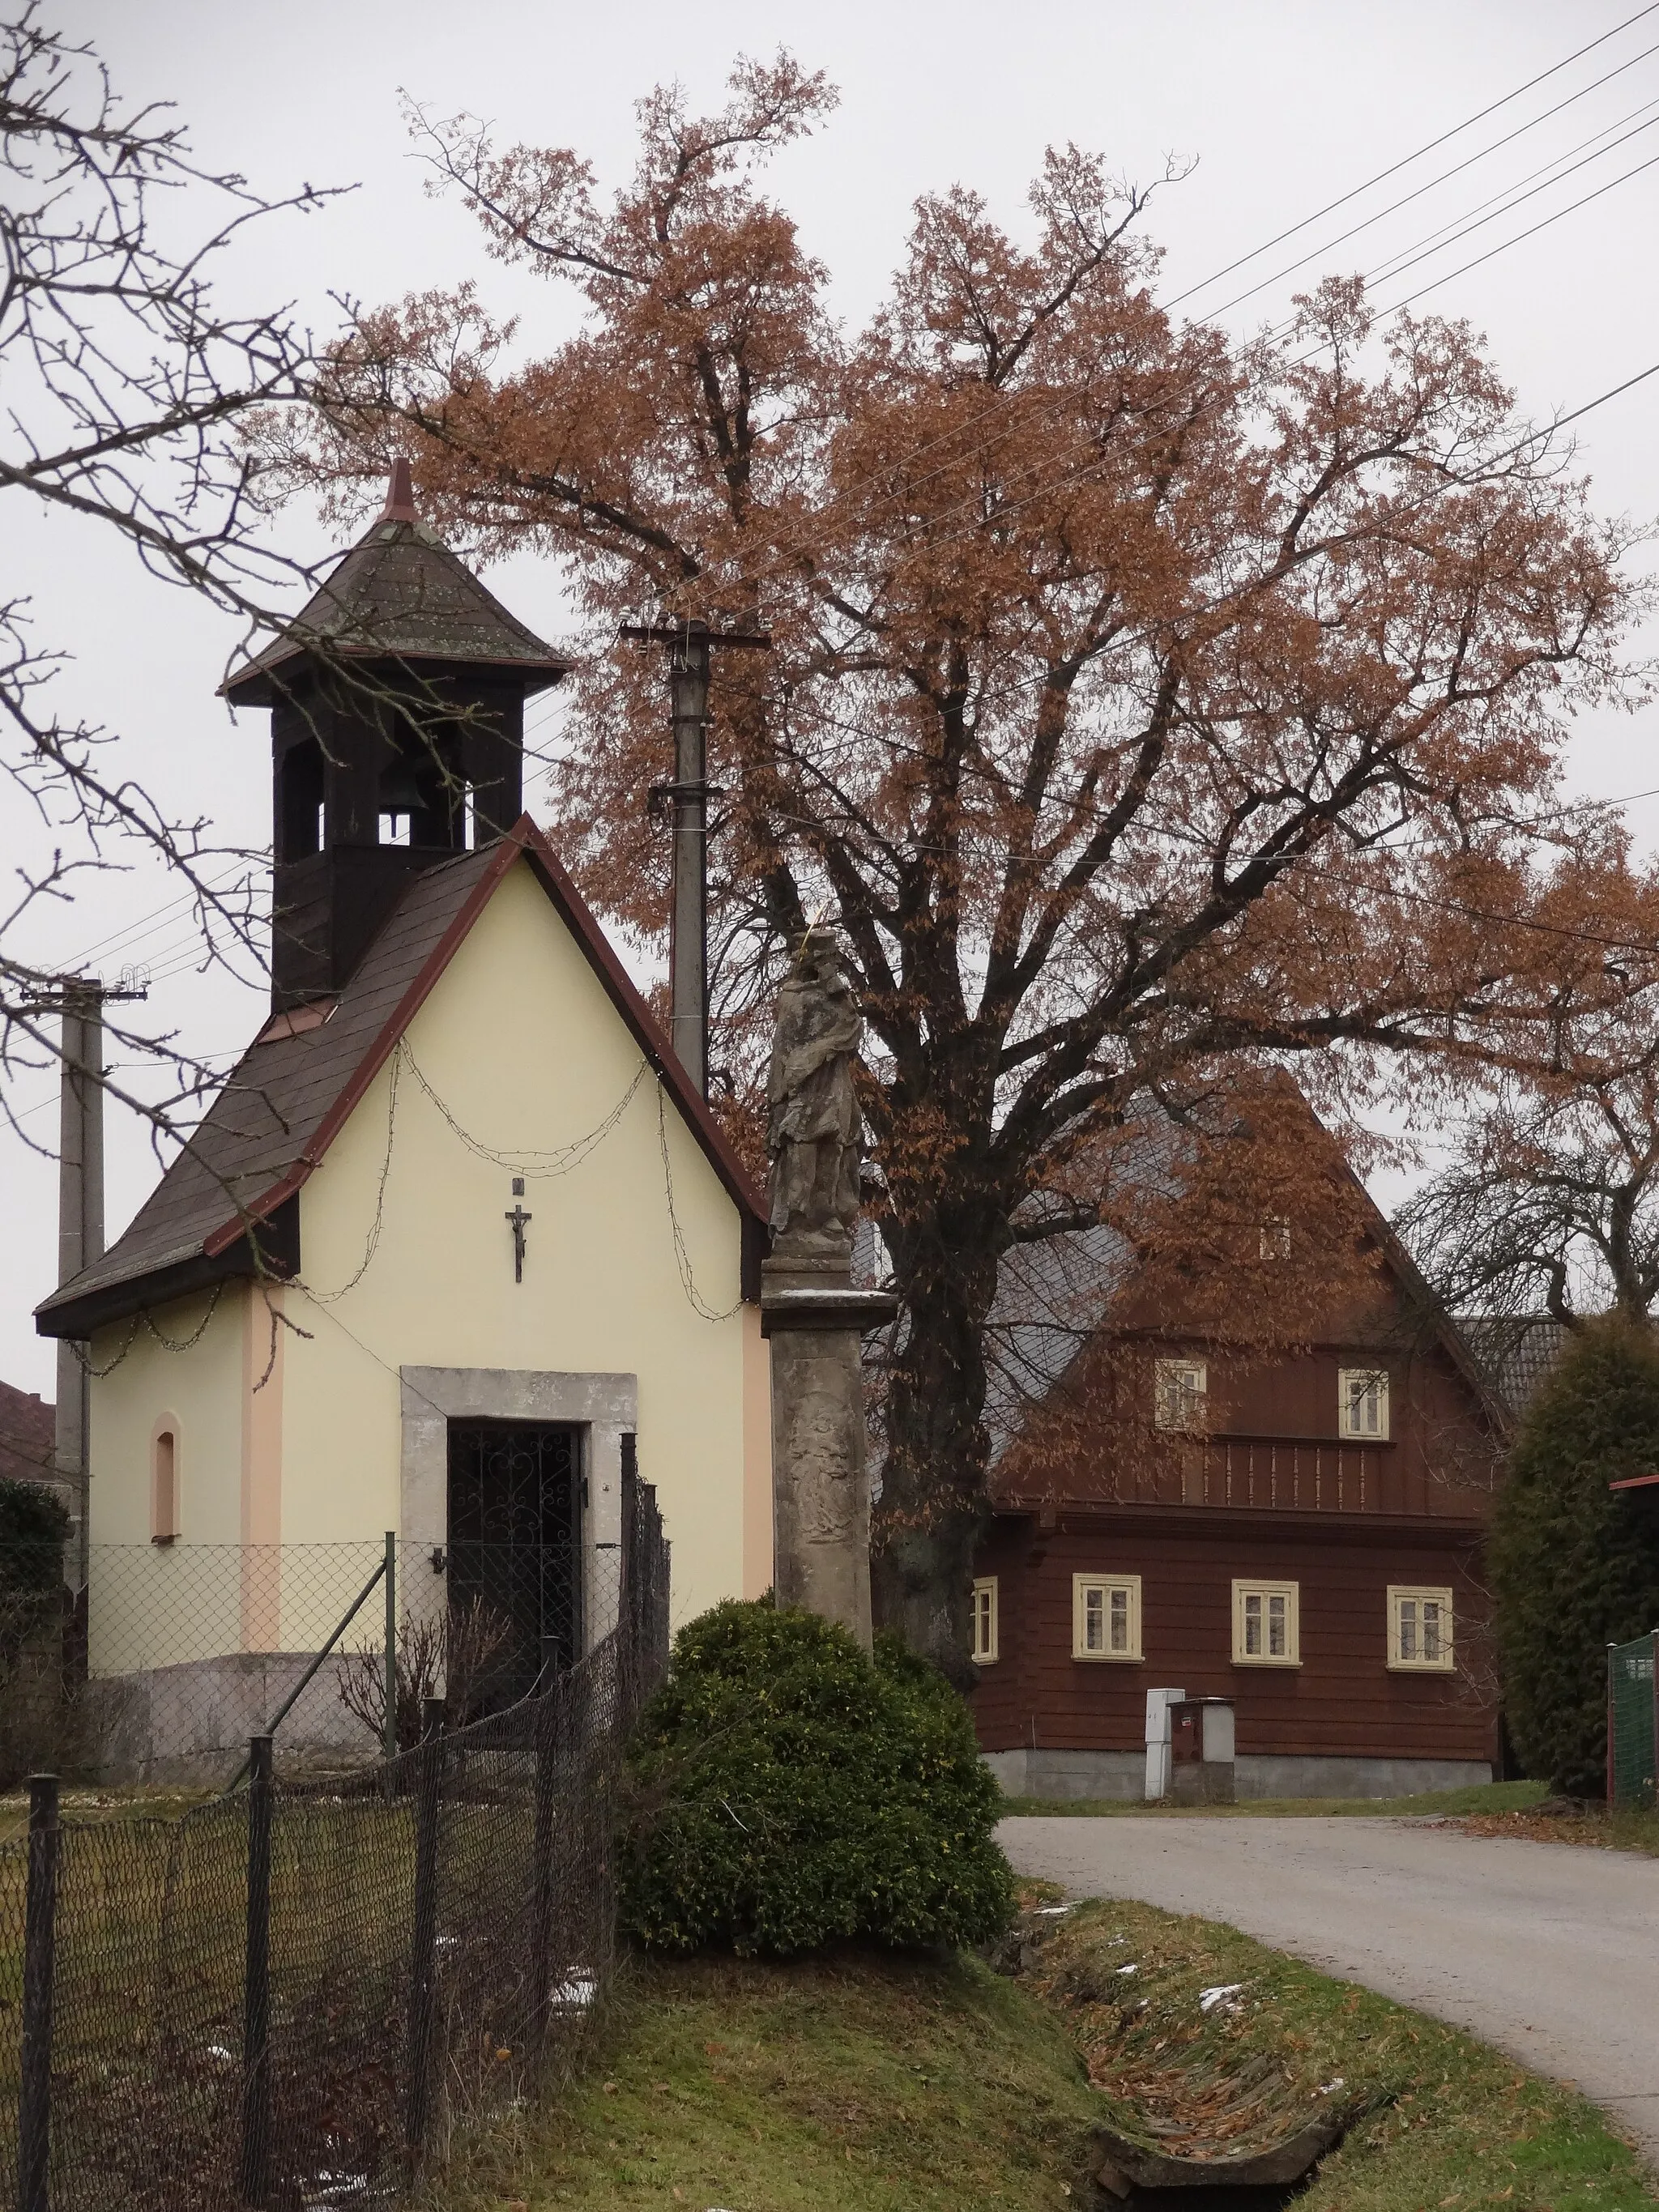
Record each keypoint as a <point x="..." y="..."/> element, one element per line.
<point x="934" y="1506"/>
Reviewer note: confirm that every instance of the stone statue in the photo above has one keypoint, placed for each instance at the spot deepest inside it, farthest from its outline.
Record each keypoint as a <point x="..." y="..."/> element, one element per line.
<point x="810" y="1310"/>
<point x="815" y="1128"/>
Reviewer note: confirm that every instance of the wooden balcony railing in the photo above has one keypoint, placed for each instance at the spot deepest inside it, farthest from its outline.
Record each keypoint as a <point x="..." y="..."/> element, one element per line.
<point x="1295" y="1474"/>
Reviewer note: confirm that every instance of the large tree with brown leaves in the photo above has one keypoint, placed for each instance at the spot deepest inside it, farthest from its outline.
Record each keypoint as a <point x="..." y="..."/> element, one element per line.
<point x="1140" y="705"/>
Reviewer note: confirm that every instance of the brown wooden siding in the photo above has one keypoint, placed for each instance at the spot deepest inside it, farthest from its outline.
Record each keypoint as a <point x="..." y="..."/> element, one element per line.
<point x="1341" y="1701"/>
<point x="1271" y="1440"/>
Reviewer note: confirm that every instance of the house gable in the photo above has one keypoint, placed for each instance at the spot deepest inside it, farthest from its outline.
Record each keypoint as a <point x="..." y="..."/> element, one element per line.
<point x="1087" y="1338"/>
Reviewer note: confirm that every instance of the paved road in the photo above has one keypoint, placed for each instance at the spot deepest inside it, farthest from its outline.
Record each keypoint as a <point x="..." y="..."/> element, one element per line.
<point x="1550" y="1951"/>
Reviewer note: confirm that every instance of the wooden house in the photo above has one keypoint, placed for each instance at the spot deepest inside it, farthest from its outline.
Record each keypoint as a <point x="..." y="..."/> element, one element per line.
<point x="1296" y="1528"/>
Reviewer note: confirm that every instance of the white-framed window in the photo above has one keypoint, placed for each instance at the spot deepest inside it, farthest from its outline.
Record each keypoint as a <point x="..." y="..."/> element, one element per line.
<point x="1362" y="1403"/>
<point x="164" y="1520"/>
<point x="984" y="1648"/>
<point x="1275" y="1237"/>
<point x="1182" y="1393"/>
<point x="1419" y="1630"/>
<point x="1266" y="1624"/>
<point x="1106" y="1617"/>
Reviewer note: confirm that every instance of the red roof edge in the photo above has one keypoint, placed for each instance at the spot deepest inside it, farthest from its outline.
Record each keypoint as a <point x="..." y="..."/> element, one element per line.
<point x="523" y="840"/>
<point x="1636" y="1482"/>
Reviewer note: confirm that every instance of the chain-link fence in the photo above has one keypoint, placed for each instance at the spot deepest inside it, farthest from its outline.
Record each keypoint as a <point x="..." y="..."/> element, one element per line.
<point x="1633" y="1721"/>
<point x="174" y="1654"/>
<point x="289" y="1995"/>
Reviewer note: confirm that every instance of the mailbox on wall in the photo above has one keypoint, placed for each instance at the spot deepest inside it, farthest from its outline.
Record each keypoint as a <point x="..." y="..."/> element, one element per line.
<point x="1201" y="1751"/>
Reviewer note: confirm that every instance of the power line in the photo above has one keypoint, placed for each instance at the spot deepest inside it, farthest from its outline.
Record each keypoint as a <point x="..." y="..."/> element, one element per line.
<point x="1435" y="282"/>
<point x="771" y="571"/>
<point x="1501" y="203"/>
<point x="1394" y="167"/>
<point x="1445" y="177"/>
<point x="147" y="924"/>
<point x="872" y="504"/>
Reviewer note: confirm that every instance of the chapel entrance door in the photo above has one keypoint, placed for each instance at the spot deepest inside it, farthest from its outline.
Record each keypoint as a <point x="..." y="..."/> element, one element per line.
<point x="514" y="1559"/>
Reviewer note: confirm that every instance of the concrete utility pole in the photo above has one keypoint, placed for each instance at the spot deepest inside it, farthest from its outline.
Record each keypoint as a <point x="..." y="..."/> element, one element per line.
<point x="688" y="942"/>
<point x="79" y="1001"/>
<point x="688" y="648"/>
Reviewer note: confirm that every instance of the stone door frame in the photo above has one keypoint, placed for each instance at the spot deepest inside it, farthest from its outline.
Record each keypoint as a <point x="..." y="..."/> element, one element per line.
<point x="604" y="1407"/>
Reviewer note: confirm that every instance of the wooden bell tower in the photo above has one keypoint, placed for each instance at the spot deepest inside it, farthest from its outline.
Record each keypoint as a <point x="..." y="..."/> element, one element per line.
<point x="397" y="737"/>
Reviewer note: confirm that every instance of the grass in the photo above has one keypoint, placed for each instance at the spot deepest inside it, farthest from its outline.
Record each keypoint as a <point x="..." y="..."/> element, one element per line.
<point x="1450" y="2123"/>
<point x="1484" y="1797"/>
<point x="880" y="2084"/>
<point x="877" y="2084"/>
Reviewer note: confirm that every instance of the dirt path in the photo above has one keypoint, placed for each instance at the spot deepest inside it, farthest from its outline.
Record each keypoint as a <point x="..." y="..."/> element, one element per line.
<point x="1550" y="1953"/>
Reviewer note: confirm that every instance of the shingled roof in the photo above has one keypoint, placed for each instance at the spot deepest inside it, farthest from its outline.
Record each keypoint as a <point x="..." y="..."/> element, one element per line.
<point x="1516" y="1350"/>
<point x="292" y="1092"/>
<point x="401" y="594"/>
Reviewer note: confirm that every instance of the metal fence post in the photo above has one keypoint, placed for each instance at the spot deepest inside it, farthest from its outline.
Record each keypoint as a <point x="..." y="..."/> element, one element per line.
<point x="423" y="1947"/>
<point x="389" y="1743"/>
<point x="541" y="1867"/>
<point x="35" y="2090"/>
<point x="253" y="2173"/>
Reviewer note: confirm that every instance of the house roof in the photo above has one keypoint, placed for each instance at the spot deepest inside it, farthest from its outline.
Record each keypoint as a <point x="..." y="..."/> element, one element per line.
<point x="1515" y="1351"/>
<point x="1054" y="1297"/>
<point x="27" y="1436"/>
<point x="294" y="1090"/>
<point x="399" y="593"/>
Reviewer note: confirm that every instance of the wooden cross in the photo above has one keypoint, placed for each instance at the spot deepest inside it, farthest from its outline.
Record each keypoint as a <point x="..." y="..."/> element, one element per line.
<point x="519" y="1220"/>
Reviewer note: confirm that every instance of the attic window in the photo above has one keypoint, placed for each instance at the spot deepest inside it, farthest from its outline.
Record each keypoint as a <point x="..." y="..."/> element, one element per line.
<point x="1275" y="1237"/>
<point x="1362" y="1404"/>
<point x="1182" y="1393"/>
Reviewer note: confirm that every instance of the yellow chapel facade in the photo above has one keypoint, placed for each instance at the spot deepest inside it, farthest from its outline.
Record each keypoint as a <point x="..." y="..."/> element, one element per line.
<point x="457" y="1197"/>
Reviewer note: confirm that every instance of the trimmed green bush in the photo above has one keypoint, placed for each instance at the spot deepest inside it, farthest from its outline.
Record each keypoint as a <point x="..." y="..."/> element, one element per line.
<point x="787" y="1792"/>
<point x="1574" y="1567"/>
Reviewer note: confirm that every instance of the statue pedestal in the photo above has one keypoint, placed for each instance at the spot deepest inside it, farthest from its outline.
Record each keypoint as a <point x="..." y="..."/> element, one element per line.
<point x="820" y="1452"/>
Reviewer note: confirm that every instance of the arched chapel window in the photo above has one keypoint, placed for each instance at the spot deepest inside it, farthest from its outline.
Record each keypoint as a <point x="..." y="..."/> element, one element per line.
<point x="164" y="1484"/>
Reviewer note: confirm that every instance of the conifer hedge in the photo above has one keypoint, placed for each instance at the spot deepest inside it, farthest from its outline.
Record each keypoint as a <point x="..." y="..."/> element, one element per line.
<point x="788" y="1791"/>
<point x="1575" y="1565"/>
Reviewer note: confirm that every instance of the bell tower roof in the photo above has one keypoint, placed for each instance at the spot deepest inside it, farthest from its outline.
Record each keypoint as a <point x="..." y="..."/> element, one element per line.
<point x="400" y="594"/>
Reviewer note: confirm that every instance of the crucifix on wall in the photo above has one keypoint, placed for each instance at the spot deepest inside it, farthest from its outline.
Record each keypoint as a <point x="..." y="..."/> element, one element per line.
<point x="519" y="1221"/>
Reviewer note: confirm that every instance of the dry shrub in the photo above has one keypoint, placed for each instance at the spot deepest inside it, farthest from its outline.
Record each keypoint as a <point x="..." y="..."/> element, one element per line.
<point x="449" y="1655"/>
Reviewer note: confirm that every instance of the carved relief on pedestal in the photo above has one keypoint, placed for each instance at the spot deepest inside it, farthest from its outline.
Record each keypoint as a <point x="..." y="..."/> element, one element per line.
<point x="824" y="1475"/>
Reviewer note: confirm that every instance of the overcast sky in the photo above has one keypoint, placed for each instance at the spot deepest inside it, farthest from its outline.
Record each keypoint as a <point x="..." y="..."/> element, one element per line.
<point x="1284" y="107"/>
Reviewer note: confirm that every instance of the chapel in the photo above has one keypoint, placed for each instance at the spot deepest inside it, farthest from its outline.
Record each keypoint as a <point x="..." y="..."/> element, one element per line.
<point x="459" y="1252"/>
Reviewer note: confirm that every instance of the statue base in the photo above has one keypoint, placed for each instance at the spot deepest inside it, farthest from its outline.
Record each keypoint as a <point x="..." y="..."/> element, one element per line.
<point x="815" y="1318"/>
